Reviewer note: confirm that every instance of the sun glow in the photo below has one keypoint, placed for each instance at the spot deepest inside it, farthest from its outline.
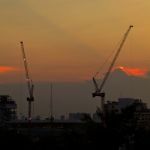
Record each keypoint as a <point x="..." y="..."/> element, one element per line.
<point x="5" y="69"/>
<point x="138" y="72"/>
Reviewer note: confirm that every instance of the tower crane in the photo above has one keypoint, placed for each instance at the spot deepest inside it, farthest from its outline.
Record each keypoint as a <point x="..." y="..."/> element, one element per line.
<point x="30" y="85"/>
<point x="98" y="89"/>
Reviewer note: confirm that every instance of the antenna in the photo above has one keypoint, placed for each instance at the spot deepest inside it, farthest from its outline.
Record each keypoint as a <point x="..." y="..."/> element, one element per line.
<point x="51" y="102"/>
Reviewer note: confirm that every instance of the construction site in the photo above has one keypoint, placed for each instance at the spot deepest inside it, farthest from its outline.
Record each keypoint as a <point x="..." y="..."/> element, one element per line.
<point x="115" y="125"/>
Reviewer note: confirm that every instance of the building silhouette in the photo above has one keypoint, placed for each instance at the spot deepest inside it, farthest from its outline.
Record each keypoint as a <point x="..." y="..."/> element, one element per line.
<point x="7" y="108"/>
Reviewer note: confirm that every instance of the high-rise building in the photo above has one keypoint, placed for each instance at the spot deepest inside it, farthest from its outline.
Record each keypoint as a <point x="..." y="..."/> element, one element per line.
<point x="7" y="108"/>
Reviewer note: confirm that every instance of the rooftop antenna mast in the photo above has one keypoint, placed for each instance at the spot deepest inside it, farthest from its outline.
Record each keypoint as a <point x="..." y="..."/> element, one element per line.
<point x="51" y="103"/>
<point x="30" y="85"/>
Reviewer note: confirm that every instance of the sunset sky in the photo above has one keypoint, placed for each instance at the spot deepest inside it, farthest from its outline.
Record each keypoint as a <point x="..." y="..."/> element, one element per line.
<point x="68" y="40"/>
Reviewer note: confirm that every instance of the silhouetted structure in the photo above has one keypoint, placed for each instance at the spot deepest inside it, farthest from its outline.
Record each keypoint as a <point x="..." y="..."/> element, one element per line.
<point x="123" y="103"/>
<point x="7" y="108"/>
<point x="78" y="116"/>
<point x="30" y="85"/>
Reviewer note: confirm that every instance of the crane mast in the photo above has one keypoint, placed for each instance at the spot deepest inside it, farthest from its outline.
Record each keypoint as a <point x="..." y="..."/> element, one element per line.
<point x="30" y="85"/>
<point x="98" y="90"/>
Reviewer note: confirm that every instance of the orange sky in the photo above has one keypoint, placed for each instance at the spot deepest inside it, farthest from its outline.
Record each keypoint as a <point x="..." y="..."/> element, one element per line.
<point x="68" y="40"/>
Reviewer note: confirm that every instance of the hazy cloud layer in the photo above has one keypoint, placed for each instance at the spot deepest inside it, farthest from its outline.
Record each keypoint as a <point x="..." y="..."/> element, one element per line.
<point x="77" y="97"/>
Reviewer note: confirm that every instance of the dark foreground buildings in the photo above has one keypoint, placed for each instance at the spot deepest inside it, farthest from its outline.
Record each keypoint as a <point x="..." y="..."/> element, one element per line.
<point x="127" y="127"/>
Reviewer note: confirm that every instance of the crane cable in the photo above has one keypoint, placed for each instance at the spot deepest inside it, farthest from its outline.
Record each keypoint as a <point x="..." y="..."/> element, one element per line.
<point x="106" y="60"/>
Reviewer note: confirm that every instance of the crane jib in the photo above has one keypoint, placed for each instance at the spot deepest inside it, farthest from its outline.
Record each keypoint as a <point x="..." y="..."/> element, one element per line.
<point x="115" y="58"/>
<point x="98" y="90"/>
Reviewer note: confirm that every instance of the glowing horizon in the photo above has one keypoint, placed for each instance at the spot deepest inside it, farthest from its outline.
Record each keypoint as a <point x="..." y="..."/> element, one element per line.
<point x="137" y="72"/>
<point x="7" y="69"/>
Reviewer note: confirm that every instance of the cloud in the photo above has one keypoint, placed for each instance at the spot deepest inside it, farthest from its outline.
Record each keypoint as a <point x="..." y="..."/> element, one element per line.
<point x="6" y="69"/>
<point x="137" y="72"/>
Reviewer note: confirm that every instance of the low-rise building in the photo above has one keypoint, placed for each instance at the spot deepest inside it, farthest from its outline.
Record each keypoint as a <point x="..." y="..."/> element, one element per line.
<point x="138" y="109"/>
<point x="78" y="116"/>
<point x="123" y="103"/>
<point x="112" y="107"/>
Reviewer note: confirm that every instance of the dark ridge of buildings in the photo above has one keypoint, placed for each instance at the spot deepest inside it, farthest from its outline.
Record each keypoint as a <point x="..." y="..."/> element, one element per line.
<point x="126" y="118"/>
